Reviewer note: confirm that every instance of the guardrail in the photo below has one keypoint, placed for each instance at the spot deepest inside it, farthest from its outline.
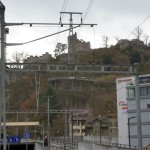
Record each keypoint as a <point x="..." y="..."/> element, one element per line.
<point x="65" y="143"/>
<point x="112" y="144"/>
<point x="87" y="68"/>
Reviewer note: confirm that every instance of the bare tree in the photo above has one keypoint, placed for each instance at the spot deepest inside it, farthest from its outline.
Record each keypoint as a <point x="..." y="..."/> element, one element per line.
<point x="146" y="37"/>
<point x="60" y="49"/>
<point x="117" y="38"/>
<point x="105" y="40"/>
<point x="18" y="57"/>
<point x="138" y="32"/>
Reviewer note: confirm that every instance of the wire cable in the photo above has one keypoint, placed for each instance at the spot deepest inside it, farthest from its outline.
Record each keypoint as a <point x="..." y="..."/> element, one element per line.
<point x="50" y="35"/>
<point x="138" y="26"/>
<point x="86" y="13"/>
<point x="125" y="85"/>
<point x="88" y="9"/>
<point x="61" y="18"/>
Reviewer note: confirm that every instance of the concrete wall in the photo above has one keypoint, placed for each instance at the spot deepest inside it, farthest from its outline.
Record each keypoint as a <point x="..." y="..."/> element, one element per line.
<point x="97" y="146"/>
<point x="103" y="138"/>
<point x="88" y="145"/>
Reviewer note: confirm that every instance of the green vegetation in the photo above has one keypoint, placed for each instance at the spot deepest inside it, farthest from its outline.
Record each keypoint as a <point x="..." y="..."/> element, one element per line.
<point x="98" y="94"/>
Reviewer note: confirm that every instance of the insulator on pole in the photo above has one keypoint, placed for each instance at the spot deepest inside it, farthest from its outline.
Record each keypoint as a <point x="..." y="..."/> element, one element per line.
<point x="81" y="20"/>
<point x="60" y="20"/>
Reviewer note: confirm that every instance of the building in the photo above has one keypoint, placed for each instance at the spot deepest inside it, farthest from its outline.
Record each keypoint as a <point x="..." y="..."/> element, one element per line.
<point x="126" y="104"/>
<point x="112" y="125"/>
<point x="125" y="43"/>
<point x="78" y="124"/>
<point x="76" y="45"/>
<point x="122" y="108"/>
<point x="102" y="125"/>
<point x="39" y="59"/>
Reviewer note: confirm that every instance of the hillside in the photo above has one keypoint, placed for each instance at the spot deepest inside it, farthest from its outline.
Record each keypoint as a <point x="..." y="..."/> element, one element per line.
<point x="98" y="94"/>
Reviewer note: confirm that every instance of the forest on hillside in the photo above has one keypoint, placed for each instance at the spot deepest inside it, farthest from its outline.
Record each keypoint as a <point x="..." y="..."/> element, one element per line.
<point x="98" y="94"/>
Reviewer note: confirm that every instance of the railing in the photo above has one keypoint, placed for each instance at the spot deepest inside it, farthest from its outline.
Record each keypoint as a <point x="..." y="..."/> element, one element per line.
<point x="87" y="68"/>
<point x="111" y="144"/>
<point x="67" y="142"/>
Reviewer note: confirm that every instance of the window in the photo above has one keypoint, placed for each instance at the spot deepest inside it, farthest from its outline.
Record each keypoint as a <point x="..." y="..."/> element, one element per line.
<point x="75" y="130"/>
<point x="143" y="91"/>
<point x="116" y="124"/>
<point x="74" y="123"/>
<point x="78" y="123"/>
<point x="110" y="131"/>
<point x="148" y="105"/>
<point x="131" y="92"/>
<point x="82" y="123"/>
<point x="148" y="90"/>
<point x="110" y="124"/>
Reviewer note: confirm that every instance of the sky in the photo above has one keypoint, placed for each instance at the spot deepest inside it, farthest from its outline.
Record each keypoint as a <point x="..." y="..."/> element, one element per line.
<point x="114" y="18"/>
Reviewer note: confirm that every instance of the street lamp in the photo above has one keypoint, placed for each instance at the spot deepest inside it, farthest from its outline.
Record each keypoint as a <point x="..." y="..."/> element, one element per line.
<point x="100" y="133"/>
<point x="129" y="129"/>
<point x="100" y="136"/>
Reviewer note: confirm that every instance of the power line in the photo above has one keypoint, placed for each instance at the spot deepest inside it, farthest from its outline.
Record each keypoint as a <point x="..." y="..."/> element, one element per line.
<point x="71" y="28"/>
<point x="61" y="17"/>
<point x="86" y="13"/>
<point x="49" y="35"/>
<point x="138" y="26"/>
<point x="64" y="8"/>
<point x="88" y="9"/>
<point x="125" y="85"/>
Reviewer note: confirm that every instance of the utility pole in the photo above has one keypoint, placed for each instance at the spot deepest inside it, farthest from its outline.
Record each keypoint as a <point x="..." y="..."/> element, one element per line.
<point x="48" y="125"/>
<point x="71" y="20"/>
<point x="72" y="51"/>
<point x="138" y="109"/>
<point x="37" y="83"/>
<point x="72" y="131"/>
<point x="2" y="77"/>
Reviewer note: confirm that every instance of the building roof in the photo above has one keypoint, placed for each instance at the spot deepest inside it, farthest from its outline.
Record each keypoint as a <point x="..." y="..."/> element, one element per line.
<point x="21" y="124"/>
<point x="1" y="5"/>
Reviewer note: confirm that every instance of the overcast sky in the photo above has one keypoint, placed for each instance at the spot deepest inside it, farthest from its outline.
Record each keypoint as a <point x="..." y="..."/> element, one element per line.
<point x="114" y="18"/>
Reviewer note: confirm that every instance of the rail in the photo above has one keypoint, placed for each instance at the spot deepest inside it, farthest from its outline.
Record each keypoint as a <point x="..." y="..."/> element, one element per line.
<point x="87" y="68"/>
<point x="112" y="144"/>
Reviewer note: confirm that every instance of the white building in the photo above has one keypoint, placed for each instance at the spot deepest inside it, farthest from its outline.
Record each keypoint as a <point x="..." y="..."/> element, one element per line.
<point x="122" y="108"/>
<point x="126" y="104"/>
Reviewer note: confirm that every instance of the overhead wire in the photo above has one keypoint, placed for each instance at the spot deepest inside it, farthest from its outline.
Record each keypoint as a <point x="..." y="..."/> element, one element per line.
<point x="88" y="9"/>
<point x="125" y="85"/>
<point x="122" y="88"/>
<point x="49" y="35"/>
<point x="86" y="13"/>
<point x="61" y="17"/>
<point x="138" y="26"/>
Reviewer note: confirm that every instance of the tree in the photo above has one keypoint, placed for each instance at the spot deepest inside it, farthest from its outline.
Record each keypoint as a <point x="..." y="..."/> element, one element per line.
<point x="107" y="59"/>
<point x="146" y="37"/>
<point x="48" y="93"/>
<point x="138" y="32"/>
<point x="60" y="49"/>
<point x="19" y="57"/>
<point x="135" y="57"/>
<point x="105" y="40"/>
<point x="117" y="38"/>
